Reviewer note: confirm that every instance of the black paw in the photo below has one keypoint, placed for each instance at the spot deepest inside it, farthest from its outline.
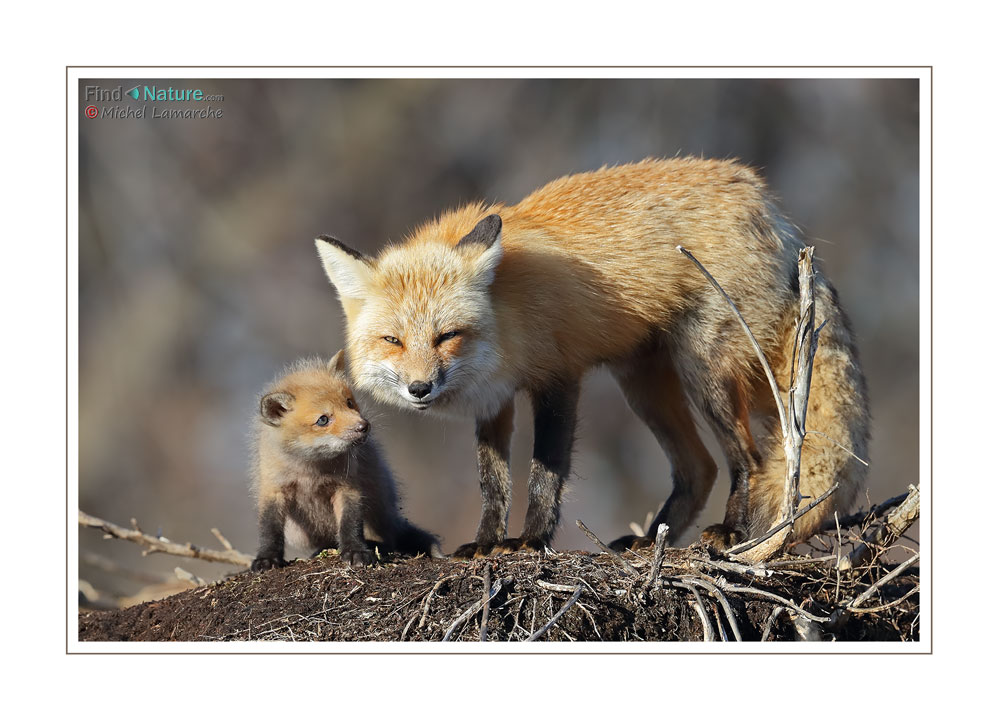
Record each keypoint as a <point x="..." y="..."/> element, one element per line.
<point x="472" y="550"/>
<point x="630" y="542"/>
<point x="719" y="536"/>
<point x="358" y="557"/>
<point x="515" y="545"/>
<point x="263" y="563"/>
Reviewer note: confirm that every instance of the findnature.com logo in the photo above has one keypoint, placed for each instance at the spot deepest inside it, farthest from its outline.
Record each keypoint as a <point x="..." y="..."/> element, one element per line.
<point x="150" y="94"/>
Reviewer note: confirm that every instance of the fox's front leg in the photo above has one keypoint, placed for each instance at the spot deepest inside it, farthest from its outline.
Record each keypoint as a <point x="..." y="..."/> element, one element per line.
<point x="349" y="511"/>
<point x="493" y="451"/>
<point x="554" y="429"/>
<point x="271" y="524"/>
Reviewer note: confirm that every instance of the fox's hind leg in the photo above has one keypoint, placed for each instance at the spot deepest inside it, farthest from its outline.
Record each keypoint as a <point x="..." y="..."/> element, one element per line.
<point x="654" y="391"/>
<point x="726" y="407"/>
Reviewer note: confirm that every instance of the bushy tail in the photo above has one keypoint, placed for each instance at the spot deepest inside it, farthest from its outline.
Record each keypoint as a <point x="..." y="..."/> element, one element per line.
<point x="838" y="409"/>
<point x="412" y="541"/>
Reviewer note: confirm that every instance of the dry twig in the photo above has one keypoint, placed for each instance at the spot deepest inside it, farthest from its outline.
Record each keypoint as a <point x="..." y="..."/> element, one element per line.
<point x="544" y="629"/>
<point x="657" y="558"/>
<point x="473" y="609"/>
<point x="895" y="524"/>
<point x="486" y="596"/>
<point x="607" y="549"/>
<point x="157" y="544"/>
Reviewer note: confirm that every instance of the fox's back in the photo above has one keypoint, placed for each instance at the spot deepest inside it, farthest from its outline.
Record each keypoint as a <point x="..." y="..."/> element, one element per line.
<point x="599" y="248"/>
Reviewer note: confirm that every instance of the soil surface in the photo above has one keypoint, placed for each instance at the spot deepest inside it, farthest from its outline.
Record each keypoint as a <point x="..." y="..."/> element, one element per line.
<point x="694" y="596"/>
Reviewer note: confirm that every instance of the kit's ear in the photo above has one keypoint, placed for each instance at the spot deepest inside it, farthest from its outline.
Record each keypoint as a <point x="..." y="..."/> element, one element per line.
<point x="348" y="270"/>
<point x="338" y="363"/>
<point x="485" y="239"/>
<point x="273" y="406"/>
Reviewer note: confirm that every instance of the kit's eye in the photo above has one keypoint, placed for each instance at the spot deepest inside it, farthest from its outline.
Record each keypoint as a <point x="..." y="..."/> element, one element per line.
<point x="351" y="404"/>
<point x="391" y="339"/>
<point x="323" y="421"/>
<point x="447" y="336"/>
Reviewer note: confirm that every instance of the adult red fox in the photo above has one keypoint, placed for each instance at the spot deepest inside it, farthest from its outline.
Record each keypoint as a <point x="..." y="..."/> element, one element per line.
<point x="486" y="301"/>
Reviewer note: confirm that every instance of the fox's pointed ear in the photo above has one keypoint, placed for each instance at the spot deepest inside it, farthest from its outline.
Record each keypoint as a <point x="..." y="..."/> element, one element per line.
<point x="273" y="406"/>
<point x="486" y="236"/>
<point x="338" y="363"/>
<point x="348" y="270"/>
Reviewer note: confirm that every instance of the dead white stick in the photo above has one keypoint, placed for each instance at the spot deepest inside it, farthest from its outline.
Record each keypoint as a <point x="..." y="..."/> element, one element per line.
<point x="899" y="570"/>
<point x="486" y="596"/>
<point x="702" y="612"/>
<point x="473" y="609"/>
<point x="895" y="524"/>
<point x="792" y="420"/>
<point x="738" y="550"/>
<point x="745" y="326"/>
<point x="657" y="558"/>
<point x="544" y="629"/>
<point x="156" y="544"/>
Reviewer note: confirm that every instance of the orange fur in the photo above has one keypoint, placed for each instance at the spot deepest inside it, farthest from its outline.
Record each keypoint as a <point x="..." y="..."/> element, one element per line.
<point x="585" y="273"/>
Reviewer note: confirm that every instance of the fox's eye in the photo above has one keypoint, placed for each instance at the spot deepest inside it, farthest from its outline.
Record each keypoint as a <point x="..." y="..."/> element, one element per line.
<point x="447" y="336"/>
<point x="391" y="339"/>
<point x="351" y="404"/>
<point x="323" y="421"/>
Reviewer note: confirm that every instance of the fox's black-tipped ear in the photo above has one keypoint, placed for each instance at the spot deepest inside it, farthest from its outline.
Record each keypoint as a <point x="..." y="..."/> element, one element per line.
<point x="486" y="232"/>
<point x="348" y="270"/>
<point x="273" y="406"/>
<point x="486" y="237"/>
<point x="338" y="363"/>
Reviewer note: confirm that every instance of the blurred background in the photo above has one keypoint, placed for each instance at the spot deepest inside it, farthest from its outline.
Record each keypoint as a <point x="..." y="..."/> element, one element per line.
<point x="199" y="279"/>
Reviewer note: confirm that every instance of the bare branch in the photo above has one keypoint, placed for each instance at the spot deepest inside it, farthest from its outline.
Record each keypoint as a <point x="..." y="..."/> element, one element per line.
<point x="558" y="587"/>
<point x="752" y="339"/>
<point x="473" y="609"/>
<point x="544" y="629"/>
<point x="222" y="539"/>
<point x="606" y="549"/>
<point x="426" y="603"/>
<point x="770" y="622"/>
<point x="855" y="603"/>
<point x="657" y="559"/>
<point x="792" y="419"/>
<point x="895" y="524"/>
<point x="486" y="596"/>
<point x="863" y="517"/>
<point x="722" y="601"/>
<point x="155" y="544"/>
<point x="742" y="547"/>
<point x="702" y="612"/>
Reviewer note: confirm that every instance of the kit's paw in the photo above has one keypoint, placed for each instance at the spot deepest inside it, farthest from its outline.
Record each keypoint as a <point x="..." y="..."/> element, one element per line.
<point x="358" y="557"/>
<point x="264" y="563"/>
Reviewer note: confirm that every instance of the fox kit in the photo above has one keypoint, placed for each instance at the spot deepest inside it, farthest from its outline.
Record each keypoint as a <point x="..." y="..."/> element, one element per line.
<point x="489" y="300"/>
<point x="318" y="473"/>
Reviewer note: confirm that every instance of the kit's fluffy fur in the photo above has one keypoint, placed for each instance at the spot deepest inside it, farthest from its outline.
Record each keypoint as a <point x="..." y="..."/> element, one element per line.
<point x="317" y="475"/>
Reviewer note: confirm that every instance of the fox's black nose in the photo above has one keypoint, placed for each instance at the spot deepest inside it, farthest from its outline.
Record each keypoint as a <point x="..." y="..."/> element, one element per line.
<point x="362" y="426"/>
<point x="419" y="388"/>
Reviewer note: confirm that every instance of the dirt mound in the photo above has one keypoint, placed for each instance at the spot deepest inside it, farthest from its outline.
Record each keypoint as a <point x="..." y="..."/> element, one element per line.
<point x="693" y="596"/>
